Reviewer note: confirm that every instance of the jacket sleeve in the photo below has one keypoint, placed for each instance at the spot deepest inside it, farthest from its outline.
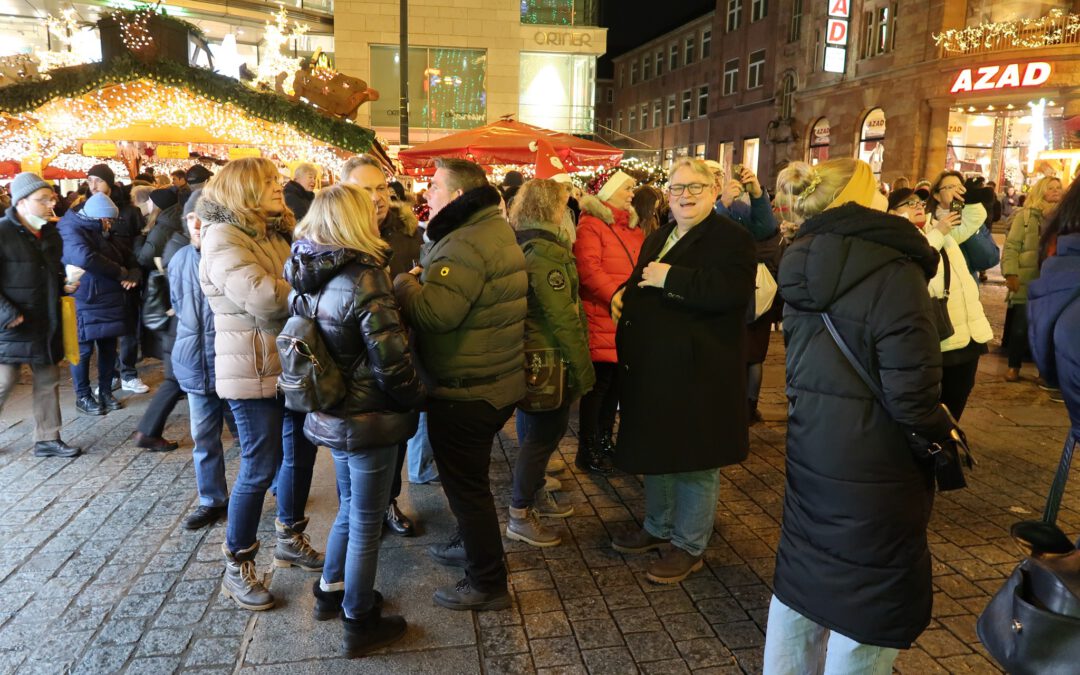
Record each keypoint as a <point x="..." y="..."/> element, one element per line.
<point x="1014" y="243"/>
<point x="9" y="311"/>
<point x="726" y="284"/>
<point x="589" y="251"/>
<point x="909" y="354"/>
<point x="971" y="220"/>
<point x="762" y="221"/>
<point x="154" y="246"/>
<point x="233" y="269"/>
<point x="565" y="316"/>
<point x="176" y="296"/>
<point x="80" y="253"/>
<point x="386" y="340"/>
<point x="452" y="284"/>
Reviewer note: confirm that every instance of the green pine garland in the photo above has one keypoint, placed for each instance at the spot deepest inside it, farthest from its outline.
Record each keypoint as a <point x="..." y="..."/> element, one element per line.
<point x="78" y="80"/>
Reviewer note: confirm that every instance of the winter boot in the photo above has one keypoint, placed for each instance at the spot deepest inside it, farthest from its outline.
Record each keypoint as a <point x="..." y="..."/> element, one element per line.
<point x="607" y="444"/>
<point x="548" y="507"/>
<point x="371" y="631"/>
<point x="328" y="603"/>
<point x="590" y="459"/>
<point x="294" y="547"/>
<point x="524" y="525"/>
<point x="242" y="583"/>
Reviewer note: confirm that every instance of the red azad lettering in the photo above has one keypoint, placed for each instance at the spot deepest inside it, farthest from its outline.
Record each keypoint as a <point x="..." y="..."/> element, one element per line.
<point x="839" y="8"/>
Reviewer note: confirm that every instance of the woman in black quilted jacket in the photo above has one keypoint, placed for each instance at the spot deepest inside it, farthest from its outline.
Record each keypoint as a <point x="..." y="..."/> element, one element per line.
<point x="338" y="269"/>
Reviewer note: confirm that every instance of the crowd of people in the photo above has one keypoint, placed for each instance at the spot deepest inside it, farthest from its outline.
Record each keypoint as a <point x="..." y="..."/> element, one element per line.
<point x="649" y="311"/>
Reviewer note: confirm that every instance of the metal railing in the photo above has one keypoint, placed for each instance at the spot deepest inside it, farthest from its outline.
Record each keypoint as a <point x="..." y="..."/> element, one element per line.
<point x="560" y="12"/>
<point x="1056" y="28"/>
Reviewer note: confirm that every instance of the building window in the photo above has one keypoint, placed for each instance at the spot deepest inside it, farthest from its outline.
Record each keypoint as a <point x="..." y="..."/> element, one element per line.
<point x="437" y="102"/>
<point x="731" y="77"/>
<point x="622" y="72"/>
<point x="556" y="91"/>
<point x="644" y="116"/>
<point x="795" y="30"/>
<point x="633" y="120"/>
<point x="879" y="30"/>
<point x="755" y="70"/>
<point x="659" y="62"/>
<point x="620" y="127"/>
<point x="610" y="95"/>
<point x="703" y="101"/>
<point x="646" y="67"/>
<point x="750" y="148"/>
<point x="673" y="57"/>
<point x="633" y="72"/>
<point x="787" y="97"/>
<point x="758" y="10"/>
<point x="706" y="43"/>
<point x="818" y="51"/>
<point x="819" y="141"/>
<point x="734" y="15"/>
<point x="671" y="109"/>
<point x="607" y="123"/>
<point x="686" y="104"/>
<point x="699" y="151"/>
<point x="688" y="51"/>
<point x="872" y="140"/>
<point x="726" y="156"/>
<point x="657" y="112"/>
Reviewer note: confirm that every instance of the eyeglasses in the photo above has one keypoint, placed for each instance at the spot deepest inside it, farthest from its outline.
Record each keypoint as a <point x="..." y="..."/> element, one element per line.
<point x="911" y="204"/>
<point x="951" y="186"/>
<point x="695" y="189"/>
<point x="51" y="201"/>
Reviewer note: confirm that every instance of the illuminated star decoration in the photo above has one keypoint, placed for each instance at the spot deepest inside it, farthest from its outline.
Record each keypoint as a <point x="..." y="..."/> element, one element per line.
<point x="277" y="37"/>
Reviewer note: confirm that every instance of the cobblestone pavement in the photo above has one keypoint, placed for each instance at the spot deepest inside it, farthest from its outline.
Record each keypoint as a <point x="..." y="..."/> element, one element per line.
<point x="97" y="575"/>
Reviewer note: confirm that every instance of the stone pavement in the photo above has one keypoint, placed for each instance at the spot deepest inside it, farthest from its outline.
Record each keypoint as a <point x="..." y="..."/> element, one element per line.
<point x="98" y="576"/>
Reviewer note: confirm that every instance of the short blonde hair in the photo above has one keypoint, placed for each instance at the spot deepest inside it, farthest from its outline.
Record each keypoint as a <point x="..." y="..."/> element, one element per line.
<point x="343" y="215"/>
<point x="1036" y="198"/>
<point x="698" y="166"/>
<point x="808" y="190"/>
<point x="140" y="193"/>
<point x="305" y="169"/>
<point x="239" y="187"/>
<point x="538" y="201"/>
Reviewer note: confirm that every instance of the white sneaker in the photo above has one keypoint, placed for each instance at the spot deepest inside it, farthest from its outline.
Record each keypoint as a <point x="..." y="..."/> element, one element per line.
<point x="135" y="385"/>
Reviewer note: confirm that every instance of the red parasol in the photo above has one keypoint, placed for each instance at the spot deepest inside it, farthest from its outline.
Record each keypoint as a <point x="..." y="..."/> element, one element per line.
<point x="508" y="142"/>
<point x="9" y="168"/>
<point x="56" y="173"/>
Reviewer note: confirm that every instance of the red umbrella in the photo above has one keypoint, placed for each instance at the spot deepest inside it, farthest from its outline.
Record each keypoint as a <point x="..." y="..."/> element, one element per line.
<point x="9" y="168"/>
<point x="56" y="173"/>
<point x="508" y="142"/>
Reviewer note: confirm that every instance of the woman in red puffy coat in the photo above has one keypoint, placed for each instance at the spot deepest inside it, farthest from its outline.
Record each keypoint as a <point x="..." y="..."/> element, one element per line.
<point x="607" y="247"/>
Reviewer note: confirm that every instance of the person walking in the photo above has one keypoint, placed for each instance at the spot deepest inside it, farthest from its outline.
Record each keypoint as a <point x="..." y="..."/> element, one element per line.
<point x="245" y="243"/>
<point x="299" y="191"/>
<point x="467" y="304"/>
<point x="338" y="274"/>
<point x="1020" y="264"/>
<point x="607" y="247"/>
<point x="109" y="274"/>
<point x="852" y="584"/>
<point x="555" y="325"/>
<point x="682" y="332"/>
<point x="31" y="283"/>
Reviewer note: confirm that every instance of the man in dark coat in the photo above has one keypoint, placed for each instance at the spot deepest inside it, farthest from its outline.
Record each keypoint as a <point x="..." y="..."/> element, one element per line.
<point x="31" y="283"/>
<point x="680" y="342"/>
<point x="299" y="191"/>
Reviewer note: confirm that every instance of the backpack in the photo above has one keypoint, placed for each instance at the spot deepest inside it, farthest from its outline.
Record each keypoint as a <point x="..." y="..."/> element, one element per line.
<point x="310" y="379"/>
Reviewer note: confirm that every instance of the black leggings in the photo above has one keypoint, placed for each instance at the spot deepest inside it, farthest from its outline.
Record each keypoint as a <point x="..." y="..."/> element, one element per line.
<point x="956" y="384"/>
<point x="598" y="407"/>
<point x="1018" y="335"/>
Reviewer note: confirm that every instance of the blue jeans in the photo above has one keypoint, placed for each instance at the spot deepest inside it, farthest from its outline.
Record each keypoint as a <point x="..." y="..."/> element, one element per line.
<point x="80" y="374"/>
<point x="682" y="507"/>
<point x="352" y="549"/>
<point x="796" y="645"/>
<point x="207" y="418"/>
<point x="538" y="435"/>
<point x="270" y="436"/>
<point x="421" y="458"/>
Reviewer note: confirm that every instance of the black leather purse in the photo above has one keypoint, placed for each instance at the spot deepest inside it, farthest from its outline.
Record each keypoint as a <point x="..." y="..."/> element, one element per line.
<point x="1032" y="625"/>
<point x="156" y="305"/>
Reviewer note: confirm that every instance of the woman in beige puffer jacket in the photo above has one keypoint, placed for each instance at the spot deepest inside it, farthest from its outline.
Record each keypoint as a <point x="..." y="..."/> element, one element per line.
<point x="245" y="242"/>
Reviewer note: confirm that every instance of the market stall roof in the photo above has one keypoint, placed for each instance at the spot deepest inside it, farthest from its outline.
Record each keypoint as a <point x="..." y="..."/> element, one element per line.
<point x="508" y="142"/>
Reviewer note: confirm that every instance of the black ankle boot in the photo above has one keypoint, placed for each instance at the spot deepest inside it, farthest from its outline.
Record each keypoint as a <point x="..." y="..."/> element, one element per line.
<point x="328" y="603"/>
<point x="371" y="631"/>
<point x="589" y="458"/>
<point x="607" y="444"/>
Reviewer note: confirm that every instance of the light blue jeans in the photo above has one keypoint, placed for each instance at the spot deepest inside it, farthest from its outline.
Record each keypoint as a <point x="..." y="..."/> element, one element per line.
<point x="207" y="418"/>
<point x="682" y="507"/>
<point x="421" y="459"/>
<point x="795" y="645"/>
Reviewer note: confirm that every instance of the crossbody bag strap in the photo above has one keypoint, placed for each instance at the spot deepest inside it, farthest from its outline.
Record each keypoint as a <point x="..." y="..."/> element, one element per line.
<point x="948" y="272"/>
<point x="621" y="243"/>
<point x="1057" y="488"/>
<point x="874" y="387"/>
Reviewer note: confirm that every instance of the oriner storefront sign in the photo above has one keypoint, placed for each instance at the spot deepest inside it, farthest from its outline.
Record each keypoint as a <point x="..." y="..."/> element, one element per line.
<point x="1008" y="76"/>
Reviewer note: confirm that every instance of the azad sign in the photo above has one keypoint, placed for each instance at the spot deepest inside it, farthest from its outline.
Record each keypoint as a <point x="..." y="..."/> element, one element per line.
<point x="836" y="36"/>
<point x="1009" y="76"/>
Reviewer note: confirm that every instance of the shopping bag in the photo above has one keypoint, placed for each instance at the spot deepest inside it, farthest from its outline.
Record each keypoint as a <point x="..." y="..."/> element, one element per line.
<point x="69" y="329"/>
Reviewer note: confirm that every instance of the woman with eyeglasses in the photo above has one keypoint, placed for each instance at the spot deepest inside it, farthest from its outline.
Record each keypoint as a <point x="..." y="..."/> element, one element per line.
<point x="960" y="350"/>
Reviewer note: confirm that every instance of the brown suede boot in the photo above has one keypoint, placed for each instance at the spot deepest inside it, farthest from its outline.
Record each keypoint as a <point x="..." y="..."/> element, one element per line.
<point x="673" y="567"/>
<point x="637" y="542"/>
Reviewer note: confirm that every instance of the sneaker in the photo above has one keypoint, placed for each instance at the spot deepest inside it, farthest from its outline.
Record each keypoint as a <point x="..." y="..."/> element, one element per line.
<point x="547" y="506"/>
<point x="294" y="547"/>
<point x="637" y="542"/>
<point x="673" y="567"/>
<point x="1056" y="396"/>
<point x="135" y="385"/>
<point x="203" y="516"/>
<point x="462" y="596"/>
<point x="451" y="553"/>
<point x="551" y="483"/>
<point x="524" y="525"/>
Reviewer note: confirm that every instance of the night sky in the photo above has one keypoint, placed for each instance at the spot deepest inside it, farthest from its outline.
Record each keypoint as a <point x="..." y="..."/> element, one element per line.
<point x="632" y="22"/>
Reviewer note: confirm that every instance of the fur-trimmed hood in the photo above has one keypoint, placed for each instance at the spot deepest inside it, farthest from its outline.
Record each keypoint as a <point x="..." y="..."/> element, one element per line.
<point x="211" y="213"/>
<point x="592" y="205"/>
<point x="401" y="217"/>
<point x="458" y="212"/>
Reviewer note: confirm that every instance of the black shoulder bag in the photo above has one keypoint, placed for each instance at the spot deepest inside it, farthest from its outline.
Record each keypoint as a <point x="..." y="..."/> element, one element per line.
<point x="310" y="380"/>
<point x="942" y="321"/>
<point x="946" y="458"/>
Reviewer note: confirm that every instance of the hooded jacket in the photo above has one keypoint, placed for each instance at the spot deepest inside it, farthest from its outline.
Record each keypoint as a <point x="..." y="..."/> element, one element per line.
<point x="965" y="309"/>
<point x="31" y="282"/>
<point x="361" y="327"/>
<point x="298" y="199"/>
<point x="241" y="275"/>
<point x="469" y="312"/>
<point x="1053" y="306"/>
<point x="607" y="248"/>
<point x="853" y="554"/>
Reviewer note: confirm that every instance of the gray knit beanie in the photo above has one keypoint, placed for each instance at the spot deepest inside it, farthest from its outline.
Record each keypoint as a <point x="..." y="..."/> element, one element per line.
<point x="26" y="184"/>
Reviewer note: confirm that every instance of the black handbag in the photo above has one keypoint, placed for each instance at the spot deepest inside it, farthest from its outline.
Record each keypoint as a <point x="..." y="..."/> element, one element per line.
<point x="1032" y="624"/>
<point x="155" y="305"/>
<point x="942" y="321"/>
<point x="946" y="458"/>
<point x="310" y="379"/>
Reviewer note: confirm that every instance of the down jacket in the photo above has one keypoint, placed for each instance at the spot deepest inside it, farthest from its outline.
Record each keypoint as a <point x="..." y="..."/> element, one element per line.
<point x="469" y="312"/>
<point x="853" y="554"/>
<point x="31" y="281"/>
<point x="607" y="248"/>
<point x="1020" y="256"/>
<point x="361" y="327"/>
<point x="241" y="275"/>
<point x="193" y="350"/>
<point x="103" y="309"/>
<point x="965" y="309"/>
<point x="1054" y="320"/>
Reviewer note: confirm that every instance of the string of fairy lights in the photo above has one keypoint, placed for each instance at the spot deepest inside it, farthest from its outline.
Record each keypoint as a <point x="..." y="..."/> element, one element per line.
<point x="1054" y="28"/>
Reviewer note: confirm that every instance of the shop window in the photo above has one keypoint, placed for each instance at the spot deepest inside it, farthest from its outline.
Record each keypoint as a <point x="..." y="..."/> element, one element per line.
<point x="644" y="116"/>
<point x="657" y="113"/>
<point x="687" y="96"/>
<point x="671" y="109"/>
<point x="731" y="77"/>
<point x="706" y="43"/>
<point x="659" y="62"/>
<point x="819" y="141"/>
<point x="688" y="50"/>
<point x="755" y="70"/>
<point x="556" y="91"/>
<point x="673" y="57"/>
<point x="758" y="10"/>
<point x="879" y="29"/>
<point x="447" y="87"/>
<point x="646" y="67"/>
<point x="726" y="156"/>
<point x="795" y="29"/>
<point x="734" y="14"/>
<point x="872" y="140"/>
<point x="750" y="151"/>
<point x="633" y="73"/>
<point x="787" y="97"/>
<point x="703" y="101"/>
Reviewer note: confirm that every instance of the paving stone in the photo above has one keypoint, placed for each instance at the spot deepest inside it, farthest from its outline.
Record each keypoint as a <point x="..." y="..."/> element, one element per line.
<point x="674" y="601"/>
<point x="139" y="605"/>
<point x="533" y="602"/>
<point x="653" y="646"/>
<point x="121" y="631"/>
<point x="637" y="620"/>
<point x="103" y="659"/>
<point x="669" y="667"/>
<point x="595" y="633"/>
<point x="704" y="652"/>
<point x="164" y="642"/>
<point x="546" y="625"/>
<point x="557" y="651"/>
<point x="158" y="665"/>
<point x="179" y="614"/>
<point x="940" y="643"/>
<point x="212" y="651"/>
<point x="509" y="665"/>
<point x="231" y="621"/>
<point x="610" y="661"/>
<point x="499" y="640"/>
<point x="740" y="634"/>
<point x="722" y="610"/>
<point x="591" y="607"/>
<point x="687" y="626"/>
<point x="625" y="597"/>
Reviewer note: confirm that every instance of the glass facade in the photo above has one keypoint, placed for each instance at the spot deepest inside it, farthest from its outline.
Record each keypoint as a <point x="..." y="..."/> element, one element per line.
<point x="560" y="12"/>
<point x="557" y="91"/>
<point x="447" y="87"/>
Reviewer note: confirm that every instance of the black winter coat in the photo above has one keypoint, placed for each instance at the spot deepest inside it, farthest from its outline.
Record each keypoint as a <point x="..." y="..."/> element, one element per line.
<point x="298" y="199"/>
<point x="683" y="373"/>
<point x="406" y="247"/>
<point x="31" y="282"/>
<point x="168" y="223"/>
<point x="361" y="326"/>
<point x="128" y="225"/>
<point x="853" y="555"/>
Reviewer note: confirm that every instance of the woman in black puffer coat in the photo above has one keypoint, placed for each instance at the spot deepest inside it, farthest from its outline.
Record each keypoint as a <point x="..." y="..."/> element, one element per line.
<point x="338" y="269"/>
<point x="853" y="557"/>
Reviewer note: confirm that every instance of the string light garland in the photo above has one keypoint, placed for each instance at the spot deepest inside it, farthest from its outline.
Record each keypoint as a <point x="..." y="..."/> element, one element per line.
<point x="1054" y="28"/>
<point x="274" y="62"/>
<point x="135" y="28"/>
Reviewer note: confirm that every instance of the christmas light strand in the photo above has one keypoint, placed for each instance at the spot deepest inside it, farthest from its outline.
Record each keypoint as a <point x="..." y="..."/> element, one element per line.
<point x="1055" y="28"/>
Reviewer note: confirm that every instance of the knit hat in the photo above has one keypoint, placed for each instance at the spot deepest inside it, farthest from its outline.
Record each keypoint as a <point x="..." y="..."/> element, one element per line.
<point x="198" y="174"/>
<point x="100" y="206"/>
<point x="163" y="198"/>
<point x="103" y="172"/>
<point x="191" y="203"/>
<point x="899" y="196"/>
<point x="612" y="185"/>
<point x="26" y="184"/>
